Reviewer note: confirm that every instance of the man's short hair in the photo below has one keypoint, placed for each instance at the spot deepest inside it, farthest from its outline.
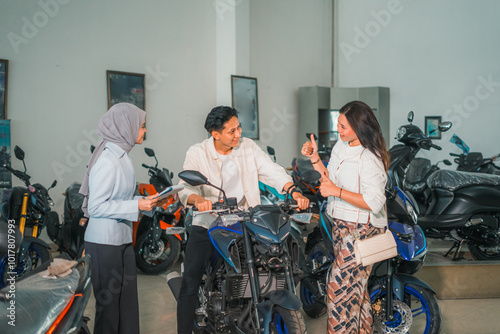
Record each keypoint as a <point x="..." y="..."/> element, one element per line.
<point x="218" y="116"/>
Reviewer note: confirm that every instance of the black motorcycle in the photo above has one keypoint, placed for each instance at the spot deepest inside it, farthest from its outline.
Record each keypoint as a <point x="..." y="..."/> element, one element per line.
<point x="473" y="161"/>
<point x="249" y="284"/>
<point x="29" y="208"/>
<point x="69" y="235"/>
<point x="463" y="207"/>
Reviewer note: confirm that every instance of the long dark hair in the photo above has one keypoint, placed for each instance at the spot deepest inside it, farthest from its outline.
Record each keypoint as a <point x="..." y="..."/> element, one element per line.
<point x="364" y="123"/>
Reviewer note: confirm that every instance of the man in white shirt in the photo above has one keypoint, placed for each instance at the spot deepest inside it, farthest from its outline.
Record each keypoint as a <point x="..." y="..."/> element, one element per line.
<point x="236" y="165"/>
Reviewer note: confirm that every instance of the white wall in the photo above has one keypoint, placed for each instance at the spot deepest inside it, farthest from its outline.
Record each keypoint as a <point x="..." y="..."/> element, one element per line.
<point x="291" y="47"/>
<point x="57" y="84"/>
<point x="435" y="56"/>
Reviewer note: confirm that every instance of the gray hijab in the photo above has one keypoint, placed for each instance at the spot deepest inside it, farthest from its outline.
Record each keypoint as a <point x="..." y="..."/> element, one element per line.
<point x="119" y="125"/>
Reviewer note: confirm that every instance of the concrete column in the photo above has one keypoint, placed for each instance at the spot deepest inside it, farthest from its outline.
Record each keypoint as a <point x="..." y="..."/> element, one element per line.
<point x="232" y="45"/>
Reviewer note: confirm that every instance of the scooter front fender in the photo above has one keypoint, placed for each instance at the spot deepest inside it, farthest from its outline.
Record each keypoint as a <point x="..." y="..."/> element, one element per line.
<point x="401" y="280"/>
<point x="282" y="298"/>
<point x="25" y="245"/>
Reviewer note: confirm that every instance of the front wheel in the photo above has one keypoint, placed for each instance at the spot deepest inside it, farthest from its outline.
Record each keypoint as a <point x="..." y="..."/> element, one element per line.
<point x="35" y="256"/>
<point x="287" y="321"/>
<point x="154" y="258"/>
<point x="318" y="260"/>
<point x="418" y="313"/>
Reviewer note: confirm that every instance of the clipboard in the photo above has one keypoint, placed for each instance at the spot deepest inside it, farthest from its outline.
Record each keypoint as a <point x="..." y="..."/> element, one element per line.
<point x="169" y="191"/>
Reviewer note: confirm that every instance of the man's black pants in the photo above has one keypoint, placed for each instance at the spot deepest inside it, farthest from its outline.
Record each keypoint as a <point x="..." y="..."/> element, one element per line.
<point x="198" y="251"/>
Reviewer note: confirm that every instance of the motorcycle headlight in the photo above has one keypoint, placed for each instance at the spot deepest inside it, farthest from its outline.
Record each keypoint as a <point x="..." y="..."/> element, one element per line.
<point x="400" y="133"/>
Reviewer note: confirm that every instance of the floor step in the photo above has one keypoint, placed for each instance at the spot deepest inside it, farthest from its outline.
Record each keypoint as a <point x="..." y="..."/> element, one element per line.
<point x="462" y="279"/>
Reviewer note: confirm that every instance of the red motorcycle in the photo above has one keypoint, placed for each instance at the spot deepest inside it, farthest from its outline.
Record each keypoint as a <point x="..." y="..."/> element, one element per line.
<point x="158" y="236"/>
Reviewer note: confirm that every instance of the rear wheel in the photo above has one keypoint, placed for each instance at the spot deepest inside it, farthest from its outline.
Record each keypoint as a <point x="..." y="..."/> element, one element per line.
<point x="156" y="257"/>
<point x="287" y="321"/>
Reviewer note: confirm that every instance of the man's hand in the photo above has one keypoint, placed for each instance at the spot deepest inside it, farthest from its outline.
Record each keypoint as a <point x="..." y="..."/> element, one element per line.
<point x="147" y="203"/>
<point x="302" y="201"/>
<point x="203" y="204"/>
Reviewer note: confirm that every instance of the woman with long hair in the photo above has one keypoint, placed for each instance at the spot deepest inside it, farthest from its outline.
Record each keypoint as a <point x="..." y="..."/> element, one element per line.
<point x="354" y="183"/>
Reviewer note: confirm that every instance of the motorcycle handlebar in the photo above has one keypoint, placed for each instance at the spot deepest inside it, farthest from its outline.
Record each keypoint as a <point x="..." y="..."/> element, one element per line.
<point x="21" y="175"/>
<point x="145" y="166"/>
<point x="455" y="155"/>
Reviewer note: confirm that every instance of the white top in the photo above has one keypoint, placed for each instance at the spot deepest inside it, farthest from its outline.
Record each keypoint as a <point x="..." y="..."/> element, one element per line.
<point x="231" y="178"/>
<point x="253" y="165"/>
<point x="358" y="170"/>
<point x="112" y="206"/>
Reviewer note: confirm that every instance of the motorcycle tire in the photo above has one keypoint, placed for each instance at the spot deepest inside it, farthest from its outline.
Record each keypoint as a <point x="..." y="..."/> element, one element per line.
<point x="313" y="307"/>
<point x="169" y="249"/>
<point x="287" y="321"/>
<point x="423" y="306"/>
<point x="36" y="256"/>
<point x="482" y="253"/>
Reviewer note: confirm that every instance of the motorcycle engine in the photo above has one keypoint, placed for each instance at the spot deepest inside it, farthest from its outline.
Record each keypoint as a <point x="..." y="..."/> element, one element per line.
<point x="215" y="305"/>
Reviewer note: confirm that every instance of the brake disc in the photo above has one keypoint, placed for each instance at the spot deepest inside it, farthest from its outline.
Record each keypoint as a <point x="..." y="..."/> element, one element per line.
<point x="401" y="324"/>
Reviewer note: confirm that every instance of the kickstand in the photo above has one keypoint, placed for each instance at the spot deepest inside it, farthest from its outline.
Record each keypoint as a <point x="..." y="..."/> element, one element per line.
<point x="458" y="247"/>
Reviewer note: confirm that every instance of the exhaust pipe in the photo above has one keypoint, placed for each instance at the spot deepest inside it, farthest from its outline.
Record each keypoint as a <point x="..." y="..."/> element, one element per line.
<point x="174" y="281"/>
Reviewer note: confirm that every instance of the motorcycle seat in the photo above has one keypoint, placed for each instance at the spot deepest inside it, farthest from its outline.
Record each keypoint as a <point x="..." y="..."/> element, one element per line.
<point x="39" y="301"/>
<point x="453" y="180"/>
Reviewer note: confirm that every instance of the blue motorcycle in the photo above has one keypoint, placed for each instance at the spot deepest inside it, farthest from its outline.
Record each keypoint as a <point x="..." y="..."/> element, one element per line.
<point x="249" y="284"/>
<point x="401" y="303"/>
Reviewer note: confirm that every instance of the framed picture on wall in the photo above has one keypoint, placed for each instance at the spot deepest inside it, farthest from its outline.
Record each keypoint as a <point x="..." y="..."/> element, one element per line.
<point x="432" y="127"/>
<point x="4" y="71"/>
<point x="126" y="87"/>
<point x="244" y="97"/>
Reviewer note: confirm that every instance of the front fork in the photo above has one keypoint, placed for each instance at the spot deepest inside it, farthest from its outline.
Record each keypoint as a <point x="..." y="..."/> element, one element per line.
<point x="254" y="277"/>
<point x="24" y="213"/>
<point x="389" y="295"/>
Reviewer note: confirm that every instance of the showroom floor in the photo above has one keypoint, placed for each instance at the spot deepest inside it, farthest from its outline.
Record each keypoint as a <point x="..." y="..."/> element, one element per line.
<point x="158" y="312"/>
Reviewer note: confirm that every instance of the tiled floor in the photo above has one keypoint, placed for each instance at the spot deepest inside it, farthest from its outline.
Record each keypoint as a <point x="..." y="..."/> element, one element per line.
<point x="158" y="312"/>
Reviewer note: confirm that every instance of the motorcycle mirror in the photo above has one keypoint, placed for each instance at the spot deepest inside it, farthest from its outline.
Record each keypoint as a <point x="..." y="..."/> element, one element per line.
<point x="193" y="178"/>
<point x="447" y="162"/>
<point x="19" y="152"/>
<point x="310" y="176"/>
<point x="410" y="116"/>
<point x="308" y="135"/>
<point x="149" y="151"/>
<point x="444" y="126"/>
<point x="53" y="184"/>
<point x="92" y="148"/>
<point x="270" y="150"/>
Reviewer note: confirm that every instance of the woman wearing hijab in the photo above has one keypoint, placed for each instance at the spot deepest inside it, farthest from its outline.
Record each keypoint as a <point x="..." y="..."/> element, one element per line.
<point x="109" y="186"/>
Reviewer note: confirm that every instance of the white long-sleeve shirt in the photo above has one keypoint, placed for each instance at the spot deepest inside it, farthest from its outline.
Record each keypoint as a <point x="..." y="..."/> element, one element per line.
<point x="253" y="164"/>
<point x="358" y="170"/>
<point x="112" y="206"/>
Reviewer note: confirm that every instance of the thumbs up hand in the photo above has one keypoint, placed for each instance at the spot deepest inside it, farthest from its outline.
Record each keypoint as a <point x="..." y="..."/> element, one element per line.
<point x="310" y="148"/>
